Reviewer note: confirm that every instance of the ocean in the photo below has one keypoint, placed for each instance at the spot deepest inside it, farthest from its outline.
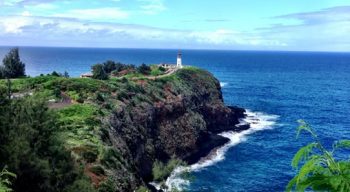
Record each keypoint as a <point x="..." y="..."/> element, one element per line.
<point x="277" y="89"/>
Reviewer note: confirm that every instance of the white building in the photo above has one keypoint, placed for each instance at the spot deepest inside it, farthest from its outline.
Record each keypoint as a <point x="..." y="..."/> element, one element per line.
<point x="179" y="60"/>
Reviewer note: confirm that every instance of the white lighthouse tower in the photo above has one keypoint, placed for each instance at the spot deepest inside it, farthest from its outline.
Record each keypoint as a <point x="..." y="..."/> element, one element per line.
<point x="179" y="60"/>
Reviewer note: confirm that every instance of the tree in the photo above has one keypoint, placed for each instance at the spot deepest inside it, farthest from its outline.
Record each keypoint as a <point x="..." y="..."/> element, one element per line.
<point x="2" y="72"/>
<point x="66" y="75"/>
<point x="13" y="66"/>
<point x="98" y="72"/>
<point x="144" y="69"/>
<point x="31" y="147"/>
<point x="109" y="66"/>
<point x="54" y="73"/>
<point x="320" y="171"/>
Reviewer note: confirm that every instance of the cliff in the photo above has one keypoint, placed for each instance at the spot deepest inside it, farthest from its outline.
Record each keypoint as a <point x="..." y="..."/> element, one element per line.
<point x="118" y="128"/>
<point x="180" y="116"/>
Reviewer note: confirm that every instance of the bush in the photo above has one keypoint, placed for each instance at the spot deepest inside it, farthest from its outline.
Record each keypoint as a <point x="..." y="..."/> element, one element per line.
<point x="142" y="189"/>
<point x="144" y="69"/>
<point x="162" y="69"/>
<point x="111" y="158"/>
<point x="107" y="186"/>
<point x="98" y="72"/>
<point x="161" y="172"/>
<point x="81" y="185"/>
<point x="98" y="170"/>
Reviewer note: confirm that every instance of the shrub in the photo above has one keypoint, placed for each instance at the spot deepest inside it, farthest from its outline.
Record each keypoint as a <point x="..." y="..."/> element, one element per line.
<point x="98" y="170"/>
<point x="142" y="189"/>
<point x="161" y="171"/>
<point x="162" y="69"/>
<point x="110" y="158"/>
<point x="107" y="186"/>
<point x="98" y="72"/>
<point x="81" y="185"/>
<point x="144" y="69"/>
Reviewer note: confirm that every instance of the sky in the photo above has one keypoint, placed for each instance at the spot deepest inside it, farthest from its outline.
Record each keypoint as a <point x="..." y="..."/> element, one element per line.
<point x="290" y="25"/>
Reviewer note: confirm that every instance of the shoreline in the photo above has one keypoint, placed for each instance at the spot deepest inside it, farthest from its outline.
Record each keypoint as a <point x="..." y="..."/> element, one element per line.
<point x="256" y="121"/>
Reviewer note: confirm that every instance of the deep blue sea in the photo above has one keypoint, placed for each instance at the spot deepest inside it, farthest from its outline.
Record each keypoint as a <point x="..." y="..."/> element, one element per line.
<point x="280" y="87"/>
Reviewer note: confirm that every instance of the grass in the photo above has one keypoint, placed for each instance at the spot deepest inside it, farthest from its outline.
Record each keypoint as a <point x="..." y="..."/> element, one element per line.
<point x="81" y="131"/>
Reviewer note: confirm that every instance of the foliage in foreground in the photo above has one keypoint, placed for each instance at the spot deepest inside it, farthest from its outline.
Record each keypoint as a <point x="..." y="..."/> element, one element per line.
<point x="320" y="171"/>
<point x="5" y="180"/>
<point x="31" y="148"/>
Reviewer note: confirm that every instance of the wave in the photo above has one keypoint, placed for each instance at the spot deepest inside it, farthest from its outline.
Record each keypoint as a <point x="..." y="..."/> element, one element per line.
<point x="223" y="84"/>
<point x="258" y="121"/>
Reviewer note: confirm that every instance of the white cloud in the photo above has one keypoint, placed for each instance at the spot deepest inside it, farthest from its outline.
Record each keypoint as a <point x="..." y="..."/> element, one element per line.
<point x="26" y="13"/>
<point x="72" y="30"/>
<point x="9" y="2"/>
<point x="14" y="24"/>
<point x="108" y="13"/>
<point x="312" y="33"/>
<point x="152" y="7"/>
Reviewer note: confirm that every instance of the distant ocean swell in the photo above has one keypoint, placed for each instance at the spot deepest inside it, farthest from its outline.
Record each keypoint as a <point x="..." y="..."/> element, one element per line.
<point x="258" y="121"/>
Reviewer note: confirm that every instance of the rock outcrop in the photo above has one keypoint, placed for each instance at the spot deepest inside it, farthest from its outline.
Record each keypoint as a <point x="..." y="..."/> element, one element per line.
<point x="176" y="116"/>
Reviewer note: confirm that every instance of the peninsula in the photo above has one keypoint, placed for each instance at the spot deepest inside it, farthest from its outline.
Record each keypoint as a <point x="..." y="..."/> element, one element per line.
<point x="118" y="132"/>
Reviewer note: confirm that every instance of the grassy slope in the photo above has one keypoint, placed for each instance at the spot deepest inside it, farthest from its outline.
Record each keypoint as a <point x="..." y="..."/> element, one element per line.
<point x="83" y="132"/>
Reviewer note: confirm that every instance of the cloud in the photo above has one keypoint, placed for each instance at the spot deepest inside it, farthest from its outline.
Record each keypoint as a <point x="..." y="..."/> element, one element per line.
<point x="152" y="7"/>
<point x="334" y="14"/>
<point x="75" y="31"/>
<point x="110" y="13"/>
<point x="324" y="30"/>
<point x="24" y="2"/>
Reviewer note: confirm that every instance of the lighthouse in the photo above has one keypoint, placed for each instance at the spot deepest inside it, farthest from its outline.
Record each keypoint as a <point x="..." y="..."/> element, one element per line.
<point x="179" y="60"/>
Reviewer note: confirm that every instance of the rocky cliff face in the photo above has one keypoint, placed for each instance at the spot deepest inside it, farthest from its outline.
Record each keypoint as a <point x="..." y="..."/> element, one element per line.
<point x="175" y="116"/>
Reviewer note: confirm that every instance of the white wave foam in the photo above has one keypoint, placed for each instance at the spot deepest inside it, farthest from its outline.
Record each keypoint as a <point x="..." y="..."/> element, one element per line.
<point x="258" y="121"/>
<point x="223" y="84"/>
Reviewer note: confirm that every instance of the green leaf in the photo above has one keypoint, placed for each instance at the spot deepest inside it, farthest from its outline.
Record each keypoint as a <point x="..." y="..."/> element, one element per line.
<point x="307" y="168"/>
<point x="343" y="144"/>
<point x="303" y="154"/>
<point x="306" y="127"/>
<point x="291" y="184"/>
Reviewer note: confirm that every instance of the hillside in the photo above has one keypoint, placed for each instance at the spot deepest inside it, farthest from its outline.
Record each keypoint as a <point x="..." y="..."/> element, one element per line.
<point x="116" y="130"/>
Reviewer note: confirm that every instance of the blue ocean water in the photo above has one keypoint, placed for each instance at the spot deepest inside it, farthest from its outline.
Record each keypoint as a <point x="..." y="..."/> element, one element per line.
<point x="291" y="85"/>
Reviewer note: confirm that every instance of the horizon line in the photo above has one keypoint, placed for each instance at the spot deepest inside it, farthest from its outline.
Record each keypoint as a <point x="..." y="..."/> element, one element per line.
<point x="149" y="48"/>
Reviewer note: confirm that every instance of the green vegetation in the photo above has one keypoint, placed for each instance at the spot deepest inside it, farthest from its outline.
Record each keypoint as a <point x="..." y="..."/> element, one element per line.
<point x="142" y="189"/>
<point x="5" y="180"/>
<point x="12" y="67"/>
<point x="98" y="72"/>
<point x="320" y="171"/>
<point x="68" y="147"/>
<point x="144" y="69"/>
<point x="56" y="74"/>
<point x="162" y="171"/>
<point x="156" y="71"/>
<point x="31" y="148"/>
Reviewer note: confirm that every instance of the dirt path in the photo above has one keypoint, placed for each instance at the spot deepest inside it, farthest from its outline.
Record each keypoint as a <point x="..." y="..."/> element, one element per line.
<point x="66" y="101"/>
<point x="169" y="72"/>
